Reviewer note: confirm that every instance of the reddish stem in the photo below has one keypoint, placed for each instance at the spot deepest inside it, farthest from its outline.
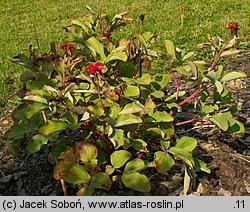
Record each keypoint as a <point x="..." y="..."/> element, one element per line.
<point x="191" y="96"/>
<point x="218" y="56"/>
<point x="188" y="121"/>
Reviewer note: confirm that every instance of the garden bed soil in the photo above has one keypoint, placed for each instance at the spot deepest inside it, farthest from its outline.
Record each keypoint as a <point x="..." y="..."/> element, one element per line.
<point x="228" y="157"/>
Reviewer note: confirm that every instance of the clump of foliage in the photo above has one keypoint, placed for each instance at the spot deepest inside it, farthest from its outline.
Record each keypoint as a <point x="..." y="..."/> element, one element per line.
<point x="106" y="116"/>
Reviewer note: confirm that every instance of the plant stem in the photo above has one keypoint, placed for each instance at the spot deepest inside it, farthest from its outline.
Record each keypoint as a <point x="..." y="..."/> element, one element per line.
<point x="188" y="121"/>
<point x="217" y="56"/>
<point x="100" y="13"/>
<point x="191" y="96"/>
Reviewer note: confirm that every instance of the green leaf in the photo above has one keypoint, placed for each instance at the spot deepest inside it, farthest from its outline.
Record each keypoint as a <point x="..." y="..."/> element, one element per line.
<point x="69" y="155"/>
<point x="184" y="155"/>
<point x="145" y="79"/>
<point x="127" y="120"/>
<point x="96" y="109"/>
<point x="162" y="116"/>
<point x="36" y="142"/>
<point x="51" y="127"/>
<point x="170" y="48"/>
<point x="35" y="98"/>
<point x="30" y="110"/>
<point x="87" y="151"/>
<point x="109" y="169"/>
<point x="173" y="105"/>
<point x="60" y="147"/>
<point x="187" y="182"/>
<point x="131" y="108"/>
<point x="70" y="117"/>
<point x="230" y="52"/>
<point x="132" y="90"/>
<point x="119" y="158"/>
<point x="139" y="144"/>
<point x="17" y="131"/>
<point x="117" y="137"/>
<point x="201" y="166"/>
<point x="165" y="144"/>
<point x="60" y="66"/>
<point x="165" y="80"/>
<point x="188" y="55"/>
<point x="164" y="162"/>
<point x="117" y="55"/>
<point x="219" y="86"/>
<point x="187" y="143"/>
<point x="134" y="165"/>
<point x="127" y="69"/>
<point x="101" y="180"/>
<point x="158" y="94"/>
<point x="207" y="109"/>
<point x="233" y="75"/>
<point x="136" y="181"/>
<point x="156" y="130"/>
<point x="71" y="172"/>
<point x="220" y="119"/>
<point x="96" y="47"/>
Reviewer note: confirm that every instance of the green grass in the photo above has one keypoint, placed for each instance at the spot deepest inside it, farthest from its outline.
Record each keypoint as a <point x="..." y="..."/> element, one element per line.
<point x="186" y="22"/>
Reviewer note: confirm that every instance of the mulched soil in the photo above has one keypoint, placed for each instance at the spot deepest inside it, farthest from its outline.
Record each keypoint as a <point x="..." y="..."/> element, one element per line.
<point x="228" y="156"/>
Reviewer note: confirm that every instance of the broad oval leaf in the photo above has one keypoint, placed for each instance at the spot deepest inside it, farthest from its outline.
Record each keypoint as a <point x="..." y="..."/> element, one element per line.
<point x="233" y="75"/>
<point x="184" y="155"/>
<point x="132" y="90"/>
<point x="201" y="166"/>
<point x="36" y="142"/>
<point x="127" y="69"/>
<point x="127" y="119"/>
<point x="136" y="181"/>
<point x="87" y="151"/>
<point x="71" y="172"/>
<point x="117" y="55"/>
<point x="30" y="110"/>
<point x="109" y="169"/>
<point x="162" y="116"/>
<point x="101" y="180"/>
<point x="145" y="79"/>
<point x="220" y="120"/>
<point x="69" y="154"/>
<point x="158" y="94"/>
<point x="117" y="137"/>
<point x="164" y="162"/>
<point x="96" y="47"/>
<point x="96" y="109"/>
<point x="51" y="127"/>
<point x="170" y="48"/>
<point x="134" y="165"/>
<point x="119" y="158"/>
<point x="187" y="143"/>
<point x="131" y="108"/>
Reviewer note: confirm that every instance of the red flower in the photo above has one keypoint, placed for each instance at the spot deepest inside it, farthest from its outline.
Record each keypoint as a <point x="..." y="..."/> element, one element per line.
<point x="92" y="67"/>
<point x="63" y="44"/>
<point x="233" y="25"/>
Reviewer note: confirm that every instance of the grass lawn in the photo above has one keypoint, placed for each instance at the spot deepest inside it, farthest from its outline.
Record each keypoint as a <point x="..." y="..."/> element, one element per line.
<point x="186" y="22"/>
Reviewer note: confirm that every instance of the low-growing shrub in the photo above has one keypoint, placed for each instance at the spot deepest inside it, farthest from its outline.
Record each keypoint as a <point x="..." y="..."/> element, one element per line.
<point x="106" y="116"/>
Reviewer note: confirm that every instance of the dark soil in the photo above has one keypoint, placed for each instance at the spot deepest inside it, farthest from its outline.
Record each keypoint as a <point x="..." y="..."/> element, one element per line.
<point x="227" y="155"/>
